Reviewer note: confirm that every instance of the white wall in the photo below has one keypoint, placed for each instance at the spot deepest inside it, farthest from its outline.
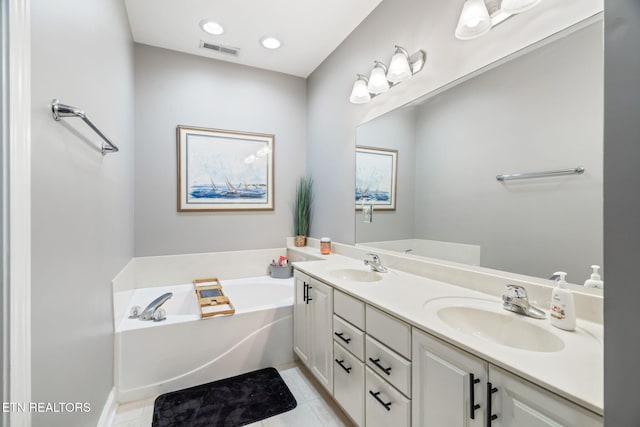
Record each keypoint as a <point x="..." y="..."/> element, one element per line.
<point x="413" y="24"/>
<point x="82" y="217"/>
<point x="540" y="111"/>
<point x="178" y="89"/>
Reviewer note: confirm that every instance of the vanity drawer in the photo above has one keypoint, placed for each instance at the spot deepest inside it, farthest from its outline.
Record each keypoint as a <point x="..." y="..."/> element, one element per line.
<point x="349" y="308"/>
<point x="390" y="331"/>
<point x="348" y="383"/>
<point x="389" y="365"/>
<point x="384" y="405"/>
<point x="348" y="336"/>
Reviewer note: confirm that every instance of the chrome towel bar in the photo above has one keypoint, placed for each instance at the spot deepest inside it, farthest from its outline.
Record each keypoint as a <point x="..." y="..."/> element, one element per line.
<point x="506" y="177"/>
<point x="59" y="111"/>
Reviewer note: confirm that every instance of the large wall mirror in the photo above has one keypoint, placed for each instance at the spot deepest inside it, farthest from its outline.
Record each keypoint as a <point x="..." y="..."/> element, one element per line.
<point x="538" y="111"/>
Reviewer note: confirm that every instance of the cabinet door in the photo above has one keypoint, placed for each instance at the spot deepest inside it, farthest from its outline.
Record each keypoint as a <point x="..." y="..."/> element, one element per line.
<point x="443" y="386"/>
<point x="301" y="341"/>
<point x="517" y="402"/>
<point x="321" y="332"/>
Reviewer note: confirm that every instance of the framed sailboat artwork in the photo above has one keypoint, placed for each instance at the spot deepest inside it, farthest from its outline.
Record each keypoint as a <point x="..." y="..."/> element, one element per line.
<point x="223" y="170"/>
<point x="376" y="173"/>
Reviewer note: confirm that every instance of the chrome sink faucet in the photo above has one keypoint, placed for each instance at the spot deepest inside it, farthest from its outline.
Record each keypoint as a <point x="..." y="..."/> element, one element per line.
<point x="373" y="261"/>
<point x="515" y="299"/>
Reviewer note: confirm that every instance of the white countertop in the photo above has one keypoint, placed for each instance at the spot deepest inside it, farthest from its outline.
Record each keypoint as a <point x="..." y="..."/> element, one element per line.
<point x="576" y="372"/>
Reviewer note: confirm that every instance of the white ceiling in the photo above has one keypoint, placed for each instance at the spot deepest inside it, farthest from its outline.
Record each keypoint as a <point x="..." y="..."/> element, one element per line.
<point x="308" y="29"/>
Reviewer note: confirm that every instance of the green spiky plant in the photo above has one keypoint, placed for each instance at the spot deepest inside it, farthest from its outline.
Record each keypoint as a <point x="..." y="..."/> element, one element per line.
<point x="302" y="207"/>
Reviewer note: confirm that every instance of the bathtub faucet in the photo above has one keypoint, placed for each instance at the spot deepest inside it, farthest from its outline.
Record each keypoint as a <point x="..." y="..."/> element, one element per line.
<point x="149" y="313"/>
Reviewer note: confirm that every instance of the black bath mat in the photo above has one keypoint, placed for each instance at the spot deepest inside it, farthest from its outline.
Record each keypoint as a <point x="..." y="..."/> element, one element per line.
<point x="231" y="402"/>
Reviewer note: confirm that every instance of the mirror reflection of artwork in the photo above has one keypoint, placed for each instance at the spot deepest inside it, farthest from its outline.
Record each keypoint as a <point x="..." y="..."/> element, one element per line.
<point x="224" y="170"/>
<point x="539" y="111"/>
<point x="376" y="177"/>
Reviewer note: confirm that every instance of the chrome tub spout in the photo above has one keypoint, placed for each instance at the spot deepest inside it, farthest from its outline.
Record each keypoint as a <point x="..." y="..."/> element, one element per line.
<point x="148" y="312"/>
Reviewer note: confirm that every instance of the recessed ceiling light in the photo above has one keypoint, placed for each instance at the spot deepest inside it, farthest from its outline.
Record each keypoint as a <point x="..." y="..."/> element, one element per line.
<point x="270" y="42"/>
<point x="211" y="27"/>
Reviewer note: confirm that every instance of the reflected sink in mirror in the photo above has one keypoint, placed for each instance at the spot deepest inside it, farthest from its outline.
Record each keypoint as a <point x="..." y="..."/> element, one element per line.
<point x="488" y="321"/>
<point x="356" y="275"/>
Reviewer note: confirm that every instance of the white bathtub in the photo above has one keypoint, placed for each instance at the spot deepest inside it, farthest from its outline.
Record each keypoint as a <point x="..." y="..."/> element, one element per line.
<point x="184" y="350"/>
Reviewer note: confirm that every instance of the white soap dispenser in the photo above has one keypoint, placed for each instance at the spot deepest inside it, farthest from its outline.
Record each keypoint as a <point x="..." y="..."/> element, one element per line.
<point x="563" y="308"/>
<point x="595" y="281"/>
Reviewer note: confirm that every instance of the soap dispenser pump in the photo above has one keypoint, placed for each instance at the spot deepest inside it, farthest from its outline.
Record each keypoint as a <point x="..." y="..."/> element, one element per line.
<point x="563" y="309"/>
<point x="595" y="281"/>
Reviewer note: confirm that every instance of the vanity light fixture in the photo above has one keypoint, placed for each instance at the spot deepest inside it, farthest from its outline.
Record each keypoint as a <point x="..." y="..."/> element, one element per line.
<point x="479" y="16"/>
<point x="402" y="67"/>
<point x="211" y="27"/>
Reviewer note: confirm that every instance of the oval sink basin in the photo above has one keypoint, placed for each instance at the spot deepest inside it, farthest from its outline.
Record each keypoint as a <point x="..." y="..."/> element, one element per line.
<point x="356" y="275"/>
<point x="507" y="329"/>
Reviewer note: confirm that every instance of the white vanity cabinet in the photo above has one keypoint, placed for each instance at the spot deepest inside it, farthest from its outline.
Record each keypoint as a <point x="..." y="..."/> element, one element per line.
<point x="372" y="376"/>
<point x="446" y="383"/>
<point x="517" y="402"/>
<point x="312" y="327"/>
<point x="454" y="388"/>
<point x="349" y="367"/>
<point x="388" y="372"/>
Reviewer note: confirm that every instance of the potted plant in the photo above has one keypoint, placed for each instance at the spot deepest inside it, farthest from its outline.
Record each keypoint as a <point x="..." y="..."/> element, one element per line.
<point x="302" y="210"/>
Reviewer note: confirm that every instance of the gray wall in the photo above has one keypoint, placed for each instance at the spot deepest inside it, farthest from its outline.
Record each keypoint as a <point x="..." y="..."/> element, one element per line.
<point x="82" y="202"/>
<point x="540" y="111"/>
<point x="622" y="212"/>
<point x="178" y="89"/>
<point x="395" y="131"/>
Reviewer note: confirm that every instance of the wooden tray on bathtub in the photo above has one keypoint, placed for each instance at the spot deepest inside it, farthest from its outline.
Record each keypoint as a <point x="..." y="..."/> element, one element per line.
<point x="211" y="298"/>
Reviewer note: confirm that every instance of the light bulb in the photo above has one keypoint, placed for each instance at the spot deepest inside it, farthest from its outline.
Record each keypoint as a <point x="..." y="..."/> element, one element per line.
<point x="360" y="94"/>
<point x="270" y="42"/>
<point x="378" y="79"/>
<point x="211" y="27"/>
<point x="474" y="20"/>
<point x="399" y="69"/>
<point x="518" y="6"/>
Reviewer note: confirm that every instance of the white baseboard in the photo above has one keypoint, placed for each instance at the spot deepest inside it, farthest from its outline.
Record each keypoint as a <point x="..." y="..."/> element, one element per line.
<point x="109" y="411"/>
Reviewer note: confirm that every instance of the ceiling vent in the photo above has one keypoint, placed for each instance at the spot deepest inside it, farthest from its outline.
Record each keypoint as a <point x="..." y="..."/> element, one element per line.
<point x="221" y="49"/>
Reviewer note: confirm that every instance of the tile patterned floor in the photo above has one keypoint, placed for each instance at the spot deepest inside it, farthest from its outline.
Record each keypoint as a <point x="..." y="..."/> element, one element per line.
<point x="315" y="406"/>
